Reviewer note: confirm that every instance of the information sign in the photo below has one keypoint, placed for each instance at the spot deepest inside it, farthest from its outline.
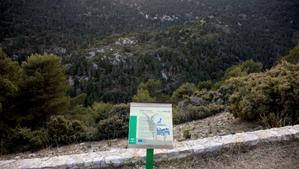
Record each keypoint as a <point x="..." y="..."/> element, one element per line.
<point x="150" y="126"/>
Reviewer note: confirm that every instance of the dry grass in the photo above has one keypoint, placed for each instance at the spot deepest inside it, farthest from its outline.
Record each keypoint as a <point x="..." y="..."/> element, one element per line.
<point x="267" y="156"/>
<point x="217" y="125"/>
<point x="270" y="156"/>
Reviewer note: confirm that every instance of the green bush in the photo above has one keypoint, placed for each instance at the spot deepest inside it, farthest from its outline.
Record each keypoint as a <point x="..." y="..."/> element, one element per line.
<point x="23" y="139"/>
<point x="101" y="110"/>
<point x="143" y="96"/>
<point x="209" y="96"/>
<point x="243" y="69"/>
<point x="78" y="100"/>
<point x="205" y="85"/>
<point x="215" y="108"/>
<point x="185" y="90"/>
<point x="150" y="91"/>
<point x="201" y="104"/>
<point x="63" y="131"/>
<point x="292" y="56"/>
<point x="273" y="94"/>
<point x="154" y="87"/>
<point x="58" y="131"/>
<point x="83" y="114"/>
<point x="196" y="112"/>
<point x="116" y="125"/>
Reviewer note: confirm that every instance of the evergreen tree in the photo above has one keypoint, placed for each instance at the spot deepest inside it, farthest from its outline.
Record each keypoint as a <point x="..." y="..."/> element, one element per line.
<point x="9" y="86"/>
<point x="43" y="89"/>
<point x="154" y="87"/>
<point x="143" y="96"/>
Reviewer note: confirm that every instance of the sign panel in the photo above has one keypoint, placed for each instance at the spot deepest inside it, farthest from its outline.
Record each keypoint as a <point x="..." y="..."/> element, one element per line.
<point x="150" y="126"/>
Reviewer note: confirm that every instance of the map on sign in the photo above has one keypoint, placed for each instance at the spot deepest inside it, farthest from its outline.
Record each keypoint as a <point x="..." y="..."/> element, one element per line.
<point x="150" y="126"/>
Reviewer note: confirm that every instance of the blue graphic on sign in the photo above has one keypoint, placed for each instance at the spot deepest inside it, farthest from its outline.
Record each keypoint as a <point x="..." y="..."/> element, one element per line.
<point x="157" y="125"/>
<point x="163" y="131"/>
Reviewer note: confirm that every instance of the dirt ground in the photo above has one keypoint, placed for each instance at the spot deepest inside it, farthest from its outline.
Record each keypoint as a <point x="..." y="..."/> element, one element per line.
<point x="220" y="124"/>
<point x="270" y="156"/>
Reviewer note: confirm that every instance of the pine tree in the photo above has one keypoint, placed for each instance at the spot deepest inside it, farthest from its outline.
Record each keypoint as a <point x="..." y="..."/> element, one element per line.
<point x="9" y="86"/>
<point x="143" y="96"/>
<point x="43" y="89"/>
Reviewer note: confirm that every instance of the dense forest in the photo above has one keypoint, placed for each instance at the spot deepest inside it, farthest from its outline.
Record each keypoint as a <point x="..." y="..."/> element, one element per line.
<point x="59" y="26"/>
<point x="214" y="36"/>
<point x="69" y="68"/>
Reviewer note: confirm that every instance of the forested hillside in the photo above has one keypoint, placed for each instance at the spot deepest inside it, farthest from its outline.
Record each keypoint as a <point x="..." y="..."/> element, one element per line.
<point x="218" y="34"/>
<point x="68" y="68"/>
<point x="59" y="26"/>
<point x="174" y="41"/>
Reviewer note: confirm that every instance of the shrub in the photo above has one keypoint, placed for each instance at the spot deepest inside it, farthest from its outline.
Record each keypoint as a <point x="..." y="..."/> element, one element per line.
<point x="23" y="139"/>
<point x="63" y="131"/>
<point x="154" y="87"/>
<point x="116" y="125"/>
<point x="186" y="134"/>
<point x="209" y="96"/>
<point x="273" y="95"/>
<point x="292" y="56"/>
<point x="121" y="110"/>
<point x="101" y="110"/>
<point x="196" y="112"/>
<point x="78" y="100"/>
<point x="205" y="85"/>
<point x="143" y="96"/>
<point x="273" y="120"/>
<point x="83" y="114"/>
<point x="185" y="90"/>
<point x="243" y="69"/>
<point x="150" y="91"/>
<point x="113" y="127"/>
<point x="201" y="104"/>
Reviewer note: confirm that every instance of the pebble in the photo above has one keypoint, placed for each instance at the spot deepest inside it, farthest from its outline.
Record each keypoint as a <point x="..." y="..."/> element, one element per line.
<point x="32" y="155"/>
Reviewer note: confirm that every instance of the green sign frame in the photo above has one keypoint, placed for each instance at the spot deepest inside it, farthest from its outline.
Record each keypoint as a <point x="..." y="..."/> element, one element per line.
<point x="150" y="126"/>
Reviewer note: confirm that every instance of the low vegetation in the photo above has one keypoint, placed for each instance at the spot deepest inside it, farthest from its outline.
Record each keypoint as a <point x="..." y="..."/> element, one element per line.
<point x="36" y="111"/>
<point x="271" y="97"/>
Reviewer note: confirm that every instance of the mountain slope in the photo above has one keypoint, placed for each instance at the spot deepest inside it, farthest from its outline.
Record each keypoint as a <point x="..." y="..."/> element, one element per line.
<point x="59" y="26"/>
<point x="173" y="40"/>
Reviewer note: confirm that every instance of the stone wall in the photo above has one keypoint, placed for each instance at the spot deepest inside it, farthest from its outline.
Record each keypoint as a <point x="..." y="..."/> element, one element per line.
<point x="117" y="157"/>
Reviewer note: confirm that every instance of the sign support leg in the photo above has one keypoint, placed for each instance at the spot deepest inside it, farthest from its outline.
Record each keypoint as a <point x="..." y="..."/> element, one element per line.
<point x="149" y="158"/>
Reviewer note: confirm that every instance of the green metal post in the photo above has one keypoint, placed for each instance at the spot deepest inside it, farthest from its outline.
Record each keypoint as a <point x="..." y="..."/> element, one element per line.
<point x="149" y="158"/>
